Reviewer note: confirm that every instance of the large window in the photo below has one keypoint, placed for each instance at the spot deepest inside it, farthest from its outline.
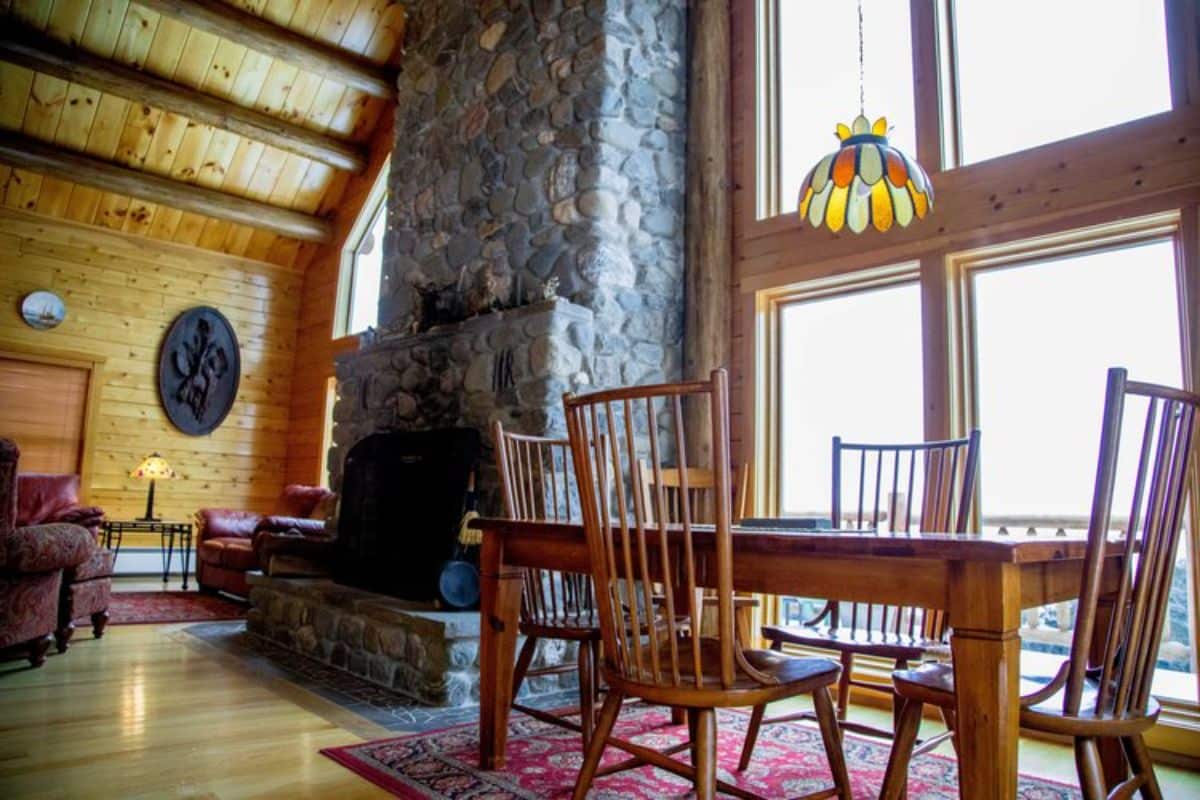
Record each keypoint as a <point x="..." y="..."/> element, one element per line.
<point x="818" y="80"/>
<point x="867" y="339"/>
<point x="1080" y="313"/>
<point x="1082" y="65"/>
<point x="362" y="264"/>
<point x="1007" y="76"/>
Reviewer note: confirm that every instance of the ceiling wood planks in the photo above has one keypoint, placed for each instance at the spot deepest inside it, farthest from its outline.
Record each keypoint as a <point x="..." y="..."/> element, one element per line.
<point x="211" y="111"/>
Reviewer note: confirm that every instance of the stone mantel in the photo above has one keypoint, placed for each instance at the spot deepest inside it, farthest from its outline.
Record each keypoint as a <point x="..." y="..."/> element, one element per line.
<point x="512" y="366"/>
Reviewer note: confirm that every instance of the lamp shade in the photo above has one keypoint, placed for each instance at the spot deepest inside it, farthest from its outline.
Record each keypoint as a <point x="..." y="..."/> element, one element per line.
<point x="153" y="468"/>
<point x="865" y="182"/>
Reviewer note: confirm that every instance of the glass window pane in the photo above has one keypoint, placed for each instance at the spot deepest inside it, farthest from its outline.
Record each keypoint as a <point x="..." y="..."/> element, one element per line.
<point x="368" y="263"/>
<point x="1031" y="72"/>
<point x="866" y="340"/>
<point x="818" y="80"/>
<point x="1046" y="334"/>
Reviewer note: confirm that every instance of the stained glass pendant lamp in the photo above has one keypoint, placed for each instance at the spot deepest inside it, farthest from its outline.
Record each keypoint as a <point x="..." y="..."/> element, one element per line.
<point x="866" y="182"/>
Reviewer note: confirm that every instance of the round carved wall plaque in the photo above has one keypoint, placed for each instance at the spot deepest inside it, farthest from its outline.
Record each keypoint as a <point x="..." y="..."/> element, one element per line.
<point x="199" y="369"/>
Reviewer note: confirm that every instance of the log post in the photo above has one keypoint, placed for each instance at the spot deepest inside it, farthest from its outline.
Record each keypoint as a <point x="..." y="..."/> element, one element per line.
<point x="707" y="337"/>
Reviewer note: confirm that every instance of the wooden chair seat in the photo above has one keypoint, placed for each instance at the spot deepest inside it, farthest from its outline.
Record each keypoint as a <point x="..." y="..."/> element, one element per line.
<point x="571" y="628"/>
<point x="896" y="646"/>
<point x="790" y="675"/>
<point x="934" y="684"/>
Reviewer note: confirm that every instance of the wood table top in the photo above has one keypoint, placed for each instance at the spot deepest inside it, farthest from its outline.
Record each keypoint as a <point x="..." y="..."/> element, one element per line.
<point x="987" y="547"/>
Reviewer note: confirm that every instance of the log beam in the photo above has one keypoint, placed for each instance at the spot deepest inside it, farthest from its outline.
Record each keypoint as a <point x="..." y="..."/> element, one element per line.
<point x="708" y="332"/>
<point x="22" y="152"/>
<point x="29" y="48"/>
<point x="238" y="26"/>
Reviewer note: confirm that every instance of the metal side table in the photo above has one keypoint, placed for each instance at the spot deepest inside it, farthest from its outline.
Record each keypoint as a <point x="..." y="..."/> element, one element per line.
<point x="167" y="531"/>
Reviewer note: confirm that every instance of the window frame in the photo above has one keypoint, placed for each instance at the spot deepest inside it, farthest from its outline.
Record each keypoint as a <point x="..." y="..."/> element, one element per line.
<point x="374" y="205"/>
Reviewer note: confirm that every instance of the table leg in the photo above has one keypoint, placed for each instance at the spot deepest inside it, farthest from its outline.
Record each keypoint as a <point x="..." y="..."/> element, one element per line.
<point x="500" y="608"/>
<point x="185" y="552"/>
<point x="169" y="536"/>
<point x="984" y="610"/>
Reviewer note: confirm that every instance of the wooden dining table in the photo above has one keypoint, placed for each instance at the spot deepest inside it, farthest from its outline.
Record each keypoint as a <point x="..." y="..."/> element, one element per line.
<point x="982" y="582"/>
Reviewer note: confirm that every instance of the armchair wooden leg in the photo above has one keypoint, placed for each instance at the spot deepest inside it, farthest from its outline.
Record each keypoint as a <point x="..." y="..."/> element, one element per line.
<point x="523" y="660"/>
<point x="678" y="715"/>
<point x="62" y="636"/>
<point x="591" y="759"/>
<point x="99" y="623"/>
<point x="895" y="780"/>
<point x="756" y="718"/>
<point x="703" y="724"/>
<point x="587" y="693"/>
<point x="37" y="649"/>
<point x="831" y="735"/>
<point x="1091" y="772"/>
<point x="843" y="696"/>
<point x="1139" y="759"/>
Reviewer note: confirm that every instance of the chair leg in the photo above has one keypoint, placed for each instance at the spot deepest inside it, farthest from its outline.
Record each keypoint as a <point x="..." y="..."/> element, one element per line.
<point x="1091" y="773"/>
<point x="679" y="715"/>
<point x="1140" y="761"/>
<point x="37" y="649"/>
<point x="99" y="622"/>
<point x="523" y="661"/>
<point x="895" y="780"/>
<point x="843" y="696"/>
<point x="756" y="718"/>
<point x="703" y="724"/>
<point x="831" y="735"/>
<point x="591" y="759"/>
<point x="950" y="717"/>
<point x="587" y="693"/>
<point x="62" y="636"/>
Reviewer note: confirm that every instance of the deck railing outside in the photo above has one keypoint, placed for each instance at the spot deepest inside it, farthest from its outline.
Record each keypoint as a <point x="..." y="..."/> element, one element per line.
<point x="1048" y="629"/>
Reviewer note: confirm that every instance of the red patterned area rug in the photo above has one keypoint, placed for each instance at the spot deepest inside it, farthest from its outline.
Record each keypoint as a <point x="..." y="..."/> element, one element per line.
<point x="134" y="608"/>
<point x="543" y="760"/>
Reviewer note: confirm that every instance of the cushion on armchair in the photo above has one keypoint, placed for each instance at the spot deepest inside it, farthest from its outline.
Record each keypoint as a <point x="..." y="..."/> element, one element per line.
<point x="226" y="522"/>
<point x="43" y="498"/>
<point x="302" y="501"/>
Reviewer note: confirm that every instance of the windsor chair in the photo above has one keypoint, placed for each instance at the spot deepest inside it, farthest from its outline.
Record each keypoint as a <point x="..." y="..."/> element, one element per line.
<point x="1102" y="690"/>
<point x="632" y="558"/>
<point x="890" y="478"/>
<point x="701" y="483"/>
<point x="537" y="482"/>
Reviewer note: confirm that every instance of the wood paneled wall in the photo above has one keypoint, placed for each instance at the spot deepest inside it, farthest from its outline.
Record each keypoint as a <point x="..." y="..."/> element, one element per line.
<point x="315" y="345"/>
<point x="122" y="293"/>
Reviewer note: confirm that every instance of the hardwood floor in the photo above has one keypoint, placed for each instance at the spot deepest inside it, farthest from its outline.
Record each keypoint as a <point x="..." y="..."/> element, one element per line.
<point x="147" y="713"/>
<point x="151" y="712"/>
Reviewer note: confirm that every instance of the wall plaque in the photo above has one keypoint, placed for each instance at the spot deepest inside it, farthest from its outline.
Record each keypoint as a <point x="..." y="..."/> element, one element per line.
<point x="199" y="369"/>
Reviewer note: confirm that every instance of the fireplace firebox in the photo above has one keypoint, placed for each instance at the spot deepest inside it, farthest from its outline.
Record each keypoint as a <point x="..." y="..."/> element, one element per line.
<point x="403" y="497"/>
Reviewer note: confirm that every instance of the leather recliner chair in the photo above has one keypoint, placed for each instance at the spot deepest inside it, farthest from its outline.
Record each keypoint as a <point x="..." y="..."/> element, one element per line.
<point x="225" y="537"/>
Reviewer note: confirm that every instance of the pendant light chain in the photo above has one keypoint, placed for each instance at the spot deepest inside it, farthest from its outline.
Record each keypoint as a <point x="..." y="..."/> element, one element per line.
<point x="862" y="91"/>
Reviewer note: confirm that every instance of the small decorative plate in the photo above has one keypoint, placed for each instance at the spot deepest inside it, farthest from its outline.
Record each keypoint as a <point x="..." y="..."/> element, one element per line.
<point x="43" y="310"/>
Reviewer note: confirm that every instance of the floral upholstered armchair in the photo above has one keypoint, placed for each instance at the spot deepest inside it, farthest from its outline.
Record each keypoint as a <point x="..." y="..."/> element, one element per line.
<point x="32" y="560"/>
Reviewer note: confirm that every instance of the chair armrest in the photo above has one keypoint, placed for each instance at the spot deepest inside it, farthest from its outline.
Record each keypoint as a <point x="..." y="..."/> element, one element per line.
<point x="85" y="516"/>
<point x="45" y="548"/>
<point x="271" y="543"/>
<point x="275" y="523"/>
<point x="214" y="522"/>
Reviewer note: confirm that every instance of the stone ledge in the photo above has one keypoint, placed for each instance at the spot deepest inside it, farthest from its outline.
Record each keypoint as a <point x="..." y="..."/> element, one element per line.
<point x="411" y="648"/>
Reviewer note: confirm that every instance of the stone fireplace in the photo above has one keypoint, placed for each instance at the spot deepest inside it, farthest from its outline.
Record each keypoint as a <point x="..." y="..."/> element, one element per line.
<point x="539" y="152"/>
<point x="534" y="246"/>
